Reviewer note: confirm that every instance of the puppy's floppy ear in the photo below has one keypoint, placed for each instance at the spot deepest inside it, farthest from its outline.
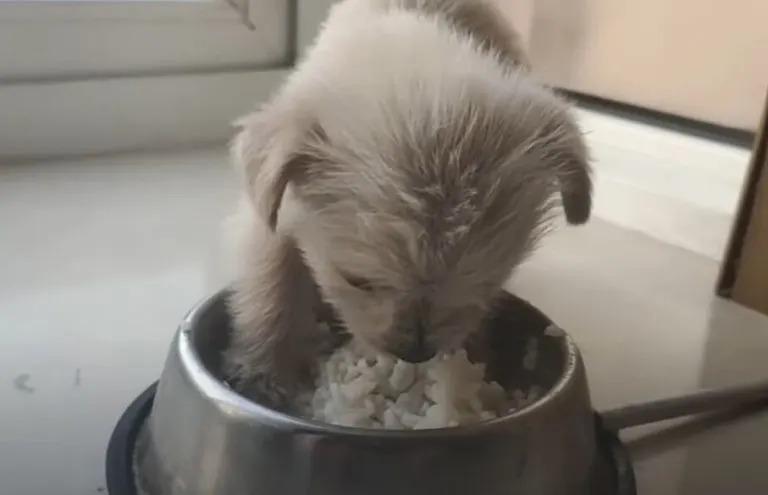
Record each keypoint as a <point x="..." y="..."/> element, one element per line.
<point x="561" y="143"/>
<point x="269" y="151"/>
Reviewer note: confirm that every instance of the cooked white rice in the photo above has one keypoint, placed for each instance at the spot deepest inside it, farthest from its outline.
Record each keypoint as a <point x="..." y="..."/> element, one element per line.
<point x="381" y="392"/>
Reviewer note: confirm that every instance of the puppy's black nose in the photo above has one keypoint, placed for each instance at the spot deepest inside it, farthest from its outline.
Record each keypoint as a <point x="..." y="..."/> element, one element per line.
<point x="416" y="354"/>
<point x="414" y="348"/>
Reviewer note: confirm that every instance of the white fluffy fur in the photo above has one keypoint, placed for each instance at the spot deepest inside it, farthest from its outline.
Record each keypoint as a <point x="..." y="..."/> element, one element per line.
<point x="402" y="172"/>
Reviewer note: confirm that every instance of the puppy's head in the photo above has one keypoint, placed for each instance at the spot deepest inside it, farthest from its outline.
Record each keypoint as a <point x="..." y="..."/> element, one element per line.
<point x="414" y="212"/>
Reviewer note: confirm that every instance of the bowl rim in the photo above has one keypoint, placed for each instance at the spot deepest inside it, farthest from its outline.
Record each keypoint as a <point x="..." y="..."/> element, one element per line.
<point x="120" y="453"/>
<point x="225" y="398"/>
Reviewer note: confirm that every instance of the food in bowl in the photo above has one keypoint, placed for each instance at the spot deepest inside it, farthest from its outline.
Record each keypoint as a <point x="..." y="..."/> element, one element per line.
<point x="359" y="390"/>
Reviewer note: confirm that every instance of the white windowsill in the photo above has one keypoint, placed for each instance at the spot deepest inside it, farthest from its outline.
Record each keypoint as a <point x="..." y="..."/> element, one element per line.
<point x="677" y="188"/>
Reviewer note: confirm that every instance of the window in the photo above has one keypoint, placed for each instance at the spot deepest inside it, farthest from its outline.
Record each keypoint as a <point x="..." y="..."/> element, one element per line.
<point x="70" y="39"/>
<point x="100" y="76"/>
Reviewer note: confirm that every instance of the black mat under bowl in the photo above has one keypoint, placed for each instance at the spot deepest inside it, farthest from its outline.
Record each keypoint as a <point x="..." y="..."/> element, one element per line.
<point x="121" y="479"/>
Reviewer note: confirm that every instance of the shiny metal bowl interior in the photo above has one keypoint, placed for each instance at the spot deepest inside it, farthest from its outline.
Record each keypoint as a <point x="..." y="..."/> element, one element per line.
<point x="508" y="336"/>
<point x="204" y="438"/>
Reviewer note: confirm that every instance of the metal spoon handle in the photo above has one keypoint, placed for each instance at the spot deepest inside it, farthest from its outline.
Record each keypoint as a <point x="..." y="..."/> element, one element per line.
<point x="700" y="402"/>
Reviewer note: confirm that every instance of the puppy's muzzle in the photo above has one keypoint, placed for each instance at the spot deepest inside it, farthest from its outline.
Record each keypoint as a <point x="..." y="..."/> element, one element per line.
<point x="415" y="349"/>
<point x="416" y="354"/>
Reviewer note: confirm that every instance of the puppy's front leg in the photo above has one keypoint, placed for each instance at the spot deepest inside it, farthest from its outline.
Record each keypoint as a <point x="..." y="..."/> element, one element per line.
<point x="273" y="306"/>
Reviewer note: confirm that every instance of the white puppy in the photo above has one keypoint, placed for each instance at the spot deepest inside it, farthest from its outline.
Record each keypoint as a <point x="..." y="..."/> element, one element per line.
<point x="407" y="166"/>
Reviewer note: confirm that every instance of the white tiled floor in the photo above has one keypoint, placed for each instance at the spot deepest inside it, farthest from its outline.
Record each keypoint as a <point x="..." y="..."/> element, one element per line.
<point x="103" y="256"/>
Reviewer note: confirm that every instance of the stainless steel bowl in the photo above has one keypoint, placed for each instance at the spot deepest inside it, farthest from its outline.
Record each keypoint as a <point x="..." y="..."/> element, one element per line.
<point x="202" y="438"/>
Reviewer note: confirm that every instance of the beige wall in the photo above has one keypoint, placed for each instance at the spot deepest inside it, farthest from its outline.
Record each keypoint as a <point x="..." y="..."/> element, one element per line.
<point x="703" y="59"/>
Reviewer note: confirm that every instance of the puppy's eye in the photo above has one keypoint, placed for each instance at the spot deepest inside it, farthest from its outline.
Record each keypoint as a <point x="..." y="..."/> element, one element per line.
<point x="358" y="282"/>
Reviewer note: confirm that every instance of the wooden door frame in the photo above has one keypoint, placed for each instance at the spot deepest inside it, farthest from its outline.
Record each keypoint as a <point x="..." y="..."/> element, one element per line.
<point x="744" y="273"/>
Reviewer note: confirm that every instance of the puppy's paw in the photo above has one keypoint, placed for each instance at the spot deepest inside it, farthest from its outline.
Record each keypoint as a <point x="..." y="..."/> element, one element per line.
<point x="330" y="336"/>
<point x="266" y="389"/>
<point x="272" y="385"/>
